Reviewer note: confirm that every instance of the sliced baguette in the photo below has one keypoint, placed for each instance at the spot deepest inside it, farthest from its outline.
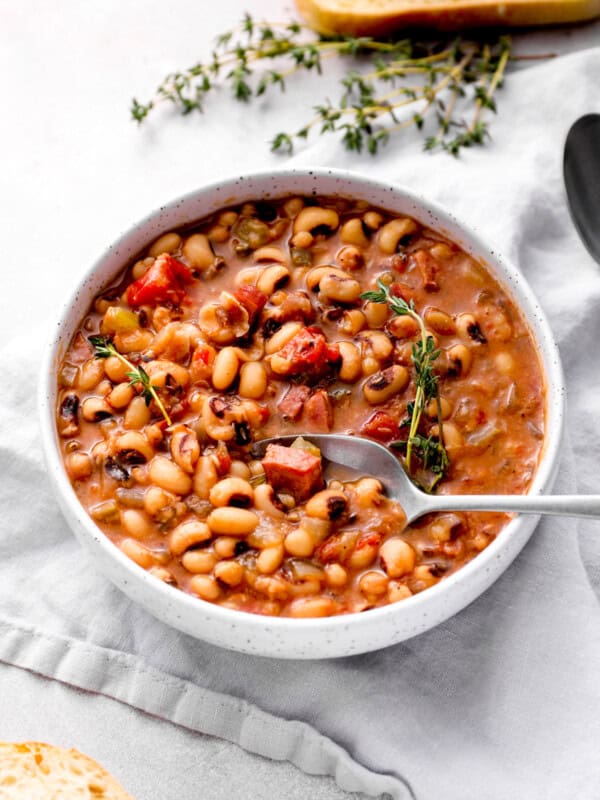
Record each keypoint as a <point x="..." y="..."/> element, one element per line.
<point x="37" y="771"/>
<point x="381" y="17"/>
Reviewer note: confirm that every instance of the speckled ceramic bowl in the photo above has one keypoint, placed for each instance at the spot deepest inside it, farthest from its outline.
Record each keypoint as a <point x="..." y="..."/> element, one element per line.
<point x="285" y="637"/>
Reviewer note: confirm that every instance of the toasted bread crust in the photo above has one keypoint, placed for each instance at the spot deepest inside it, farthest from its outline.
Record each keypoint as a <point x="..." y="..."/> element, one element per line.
<point x="382" y="17"/>
<point x="38" y="771"/>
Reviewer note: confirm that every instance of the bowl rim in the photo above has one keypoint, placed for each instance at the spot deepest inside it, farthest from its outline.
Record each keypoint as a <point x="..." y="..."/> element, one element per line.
<point x="480" y="248"/>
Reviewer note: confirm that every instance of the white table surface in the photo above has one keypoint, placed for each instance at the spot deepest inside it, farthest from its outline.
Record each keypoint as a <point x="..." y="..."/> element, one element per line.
<point x="74" y="173"/>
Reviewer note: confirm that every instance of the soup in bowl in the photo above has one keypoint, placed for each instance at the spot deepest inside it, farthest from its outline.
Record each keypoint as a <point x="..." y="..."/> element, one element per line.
<point x="298" y="304"/>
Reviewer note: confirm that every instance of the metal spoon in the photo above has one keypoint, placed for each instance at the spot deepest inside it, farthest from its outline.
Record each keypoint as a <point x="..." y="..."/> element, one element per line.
<point x="581" y="169"/>
<point x="366" y="457"/>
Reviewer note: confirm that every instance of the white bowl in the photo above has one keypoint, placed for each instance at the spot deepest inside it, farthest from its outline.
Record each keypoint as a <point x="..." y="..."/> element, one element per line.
<point x="284" y="637"/>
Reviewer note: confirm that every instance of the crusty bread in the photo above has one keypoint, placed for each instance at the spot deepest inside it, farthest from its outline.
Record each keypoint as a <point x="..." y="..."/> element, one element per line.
<point x="37" y="771"/>
<point x="381" y="17"/>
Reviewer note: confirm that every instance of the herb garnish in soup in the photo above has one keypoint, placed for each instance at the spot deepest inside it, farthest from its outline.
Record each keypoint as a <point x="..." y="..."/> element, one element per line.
<point x="287" y="317"/>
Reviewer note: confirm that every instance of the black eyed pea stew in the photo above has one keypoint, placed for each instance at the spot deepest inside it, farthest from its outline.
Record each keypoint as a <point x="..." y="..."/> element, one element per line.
<point x="287" y="317"/>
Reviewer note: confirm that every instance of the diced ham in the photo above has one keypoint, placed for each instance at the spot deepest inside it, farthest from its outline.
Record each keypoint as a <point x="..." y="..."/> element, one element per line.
<point x="429" y="269"/>
<point x="307" y="351"/>
<point x="318" y="410"/>
<point x="252" y="299"/>
<point x="292" y="405"/>
<point x="293" y="470"/>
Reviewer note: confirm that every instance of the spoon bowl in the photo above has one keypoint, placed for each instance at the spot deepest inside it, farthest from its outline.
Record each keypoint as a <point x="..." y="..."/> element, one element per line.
<point x="364" y="456"/>
<point x="581" y="168"/>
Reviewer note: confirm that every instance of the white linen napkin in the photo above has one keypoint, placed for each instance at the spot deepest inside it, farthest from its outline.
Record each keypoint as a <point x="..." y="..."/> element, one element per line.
<point x="500" y="701"/>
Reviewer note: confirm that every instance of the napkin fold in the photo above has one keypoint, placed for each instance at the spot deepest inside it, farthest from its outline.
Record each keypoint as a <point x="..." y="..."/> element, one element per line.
<point x="500" y="701"/>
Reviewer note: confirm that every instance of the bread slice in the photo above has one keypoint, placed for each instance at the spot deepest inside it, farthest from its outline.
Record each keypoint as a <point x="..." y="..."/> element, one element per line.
<point x="382" y="17"/>
<point x="37" y="771"/>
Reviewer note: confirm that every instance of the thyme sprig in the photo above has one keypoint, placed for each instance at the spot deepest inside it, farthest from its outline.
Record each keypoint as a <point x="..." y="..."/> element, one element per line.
<point x="104" y="348"/>
<point x="429" y="449"/>
<point x="389" y="85"/>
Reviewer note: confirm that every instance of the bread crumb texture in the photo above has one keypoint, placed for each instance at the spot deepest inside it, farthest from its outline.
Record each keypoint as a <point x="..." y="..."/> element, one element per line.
<point x="382" y="17"/>
<point x="38" y="771"/>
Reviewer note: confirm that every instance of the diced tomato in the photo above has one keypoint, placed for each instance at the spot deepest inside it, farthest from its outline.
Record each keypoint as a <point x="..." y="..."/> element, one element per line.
<point x="318" y="410"/>
<point x="403" y="291"/>
<point x="381" y="426"/>
<point x="252" y="299"/>
<point x="222" y="459"/>
<point x="293" y="470"/>
<point x="369" y="540"/>
<point x="163" y="282"/>
<point x="308" y="350"/>
<point x="202" y="361"/>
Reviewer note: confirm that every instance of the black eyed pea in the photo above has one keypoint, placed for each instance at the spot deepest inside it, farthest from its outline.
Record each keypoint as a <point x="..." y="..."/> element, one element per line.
<point x="373" y="220"/>
<point x="439" y="321"/>
<point x="328" y="505"/>
<point x="468" y="329"/>
<point x="459" y="359"/>
<point x="232" y="521"/>
<point x="185" y="449"/>
<point x="167" y="243"/>
<point x="368" y="492"/>
<point x="423" y="578"/>
<point x="224" y="546"/>
<point x="398" y="591"/>
<point x="390" y="234"/>
<point x="282" y="337"/>
<point x="229" y="572"/>
<point x="253" y="380"/>
<point x="247" y="276"/>
<point x="90" y="374"/>
<point x="205" y="477"/>
<point x="239" y="469"/>
<point x="376" y="344"/>
<point x="161" y="371"/>
<point x="313" y="607"/>
<point x="397" y="557"/>
<point x="383" y="385"/>
<point x="120" y="396"/>
<point x="505" y="363"/>
<point x="313" y="217"/>
<point x="274" y="587"/>
<point x="352" y="232"/>
<point x="169" y="476"/>
<point x="187" y="535"/>
<point x="265" y="500"/>
<point x="133" y="447"/>
<point x="350" y="258"/>
<point x="199" y="562"/>
<point x="270" y="253"/>
<point x="115" y="369"/>
<point x="402" y="327"/>
<point x="156" y="499"/>
<point x="225" y="368"/>
<point x="316" y="275"/>
<point x="351" y="366"/>
<point x="270" y="559"/>
<point x="79" y="466"/>
<point x="137" y="414"/>
<point x="335" y="575"/>
<point x="302" y="240"/>
<point x="352" y="321"/>
<point x="445" y="409"/>
<point x="299" y="543"/>
<point x="163" y="574"/>
<point x="235" y="492"/>
<point x="141" y="267"/>
<point x="206" y="587"/>
<point x="217" y="234"/>
<point x="376" y="314"/>
<point x="453" y="438"/>
<point x="293" y="206"/>
<point x="373" y="584"/>
<point x="95" y="409"/>
<point x="138" y="552"/>
<point x="272" y="278"/>
<point x="198" y="252"/>
<point x="227" y="218"/>
<point x="341" y="290"/>
<point x="135" y="523"/>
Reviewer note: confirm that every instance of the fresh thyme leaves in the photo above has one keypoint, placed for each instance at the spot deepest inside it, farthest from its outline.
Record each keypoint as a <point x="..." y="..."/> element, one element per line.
<point x="440" y="87"/>
<point x="104" y="348"/>
<point x="429" y="450"/>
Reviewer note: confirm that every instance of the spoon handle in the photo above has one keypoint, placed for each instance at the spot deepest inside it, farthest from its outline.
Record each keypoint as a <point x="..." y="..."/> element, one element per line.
<point x="568" y="505"/>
